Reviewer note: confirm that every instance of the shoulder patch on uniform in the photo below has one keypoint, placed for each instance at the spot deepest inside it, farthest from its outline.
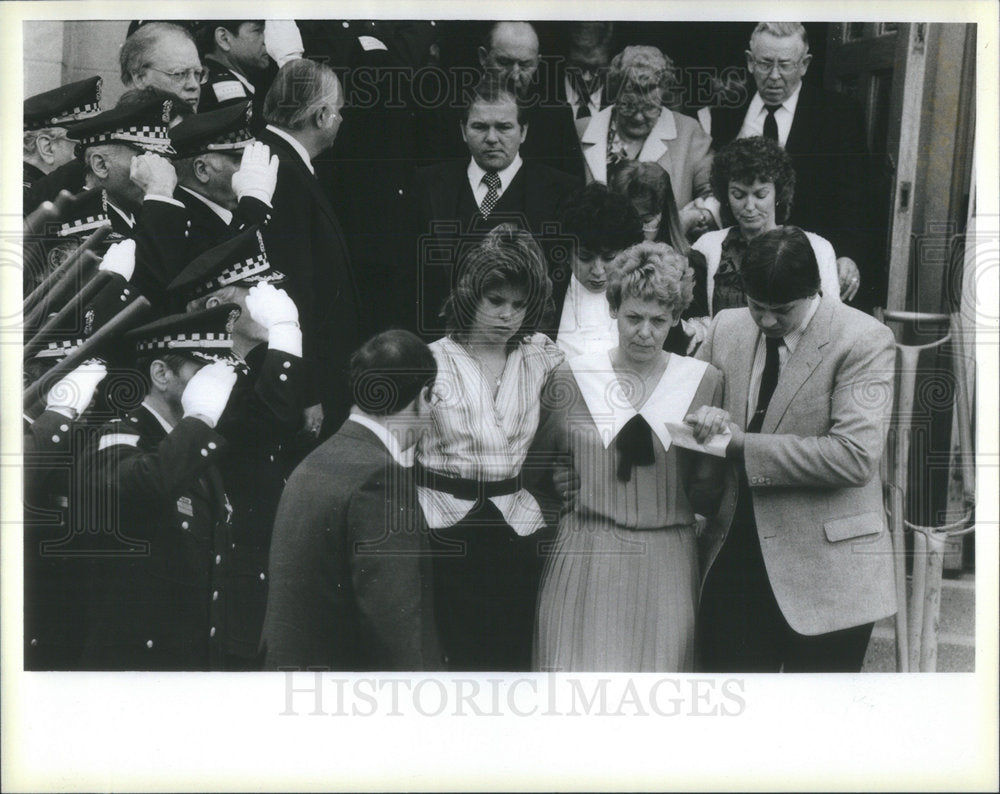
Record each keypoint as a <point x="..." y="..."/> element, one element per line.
<point x="116" y="439"/>
<point x="229" y="89"/>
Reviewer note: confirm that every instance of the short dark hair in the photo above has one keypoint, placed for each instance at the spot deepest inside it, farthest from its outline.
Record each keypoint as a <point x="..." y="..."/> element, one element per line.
<point x="204" y="36"/>
<point x="491" y="90"/>
<point x="600" y="220"/>
<point x="295" y="93"/>
<point x="389" y="371"/>
<point x="132" y="57"/>
<point x="780" y="266"/>
<point x="750" y="160"/>
<point x="507" y="256"/>
<point x="174" y="362"/>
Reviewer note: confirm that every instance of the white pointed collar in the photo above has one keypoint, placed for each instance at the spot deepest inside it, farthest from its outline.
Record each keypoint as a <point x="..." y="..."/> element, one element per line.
<point x="606" y="396"/>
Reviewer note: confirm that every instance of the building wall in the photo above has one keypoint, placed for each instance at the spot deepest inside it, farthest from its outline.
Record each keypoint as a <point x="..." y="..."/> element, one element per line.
<point x="61" y="52"/>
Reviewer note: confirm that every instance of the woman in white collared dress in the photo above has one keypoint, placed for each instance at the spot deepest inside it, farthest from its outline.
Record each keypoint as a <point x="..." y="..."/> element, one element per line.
<point x="620" y="591"/>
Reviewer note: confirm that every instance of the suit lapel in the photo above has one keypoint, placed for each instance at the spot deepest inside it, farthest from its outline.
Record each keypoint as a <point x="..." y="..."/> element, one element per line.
<point x="595" y="145"/>
<point x="801" y="132"/>
<point x="808" y="353"/>
<point x="740" y="364"/>
<point x="657" y="142"/>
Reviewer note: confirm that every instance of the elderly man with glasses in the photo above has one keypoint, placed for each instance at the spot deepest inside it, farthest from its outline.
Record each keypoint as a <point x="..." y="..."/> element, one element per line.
<point x="163" y="55"/>
<point x="824" y="134"/>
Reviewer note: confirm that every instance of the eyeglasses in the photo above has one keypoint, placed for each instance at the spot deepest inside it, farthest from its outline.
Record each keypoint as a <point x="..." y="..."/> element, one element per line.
<point x="181" y="76"/>
<point x="783" y="67"/>
<point x="629" y="106"/>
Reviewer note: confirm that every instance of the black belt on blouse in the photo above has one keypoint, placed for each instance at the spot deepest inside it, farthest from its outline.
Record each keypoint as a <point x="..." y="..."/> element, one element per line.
<point x="461" y="488"/>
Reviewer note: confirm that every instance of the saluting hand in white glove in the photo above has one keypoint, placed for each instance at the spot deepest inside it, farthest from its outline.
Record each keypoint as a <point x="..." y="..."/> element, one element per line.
<point x="207" y="393"/>
<point x="258" y="173"/>
<point x="71" y="395"/>
<point x="120" y="259"/>
<point x="276" y="312"/>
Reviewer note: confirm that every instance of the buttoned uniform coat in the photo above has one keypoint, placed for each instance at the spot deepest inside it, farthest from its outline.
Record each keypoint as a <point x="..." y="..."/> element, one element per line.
<point x="835" y="177"/>
<point x="54" y="578"/>
<point x="260" y="420"/>
<point x="304" y="241"/>
<point x="350" y="572"/>
<point x="814" y="467"/>
<point x="159" y="598"/>
<point x="676" y="143"/>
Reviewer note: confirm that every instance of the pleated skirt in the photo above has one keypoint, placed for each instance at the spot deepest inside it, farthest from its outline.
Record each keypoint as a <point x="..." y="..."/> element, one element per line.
<point x="618" y="600"/>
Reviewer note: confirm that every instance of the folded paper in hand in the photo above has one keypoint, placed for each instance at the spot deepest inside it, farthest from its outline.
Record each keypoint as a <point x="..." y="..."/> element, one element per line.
<point x="683" y="436"/>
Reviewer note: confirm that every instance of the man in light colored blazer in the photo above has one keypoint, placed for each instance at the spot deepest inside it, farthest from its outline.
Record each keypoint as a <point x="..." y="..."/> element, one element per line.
<point x="797" y="561"/>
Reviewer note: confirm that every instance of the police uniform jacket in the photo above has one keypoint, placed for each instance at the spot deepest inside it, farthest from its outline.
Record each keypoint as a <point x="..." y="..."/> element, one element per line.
<point x="54" y="570"/>
<point x="161" y="601"/>
<point x="263" y="413"/>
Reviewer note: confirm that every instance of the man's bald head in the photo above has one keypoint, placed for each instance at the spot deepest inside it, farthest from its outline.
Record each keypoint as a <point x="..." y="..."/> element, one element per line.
<point x="511" y="51"/>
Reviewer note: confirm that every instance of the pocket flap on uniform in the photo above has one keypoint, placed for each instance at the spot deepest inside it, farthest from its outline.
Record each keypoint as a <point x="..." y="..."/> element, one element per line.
<point x="853" y="526"/>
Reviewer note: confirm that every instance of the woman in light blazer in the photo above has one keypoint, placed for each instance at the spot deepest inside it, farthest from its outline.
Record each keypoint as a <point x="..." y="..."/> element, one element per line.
<point x="639" y="127"/>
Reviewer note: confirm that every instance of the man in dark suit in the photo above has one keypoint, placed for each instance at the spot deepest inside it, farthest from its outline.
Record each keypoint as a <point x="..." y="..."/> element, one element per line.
<point x="304" y="238"/>
<point x="797" y="562"/>
<point x="581" y="77"/>
<point x="464" y="199"/>
<point x="824" y="134"/>
<point x="350" y="573"/>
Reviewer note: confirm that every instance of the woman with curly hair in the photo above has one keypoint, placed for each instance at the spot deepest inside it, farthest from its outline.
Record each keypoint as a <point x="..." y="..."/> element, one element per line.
<point x="492" y="365"/>
<point x="754" y="181"/>
<point x="620" y="590"/>
<point x="638" y="126"/>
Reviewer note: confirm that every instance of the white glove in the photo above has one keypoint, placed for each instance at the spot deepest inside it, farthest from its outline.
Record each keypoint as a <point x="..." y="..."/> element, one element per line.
<point x="273" y="309"/>
<point x="71" y="395"/>
<point x="257" y="174"/>
<point x="207" y="393"/>
<point x="120" y="259"/>
<point x="282" y="40"/>
<point x="154" y="174"/>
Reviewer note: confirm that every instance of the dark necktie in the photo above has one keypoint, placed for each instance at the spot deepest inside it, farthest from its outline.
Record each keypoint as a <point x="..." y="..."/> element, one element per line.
<point x="768" y="380"/>
<point x="492" y="182"/>
<point x="770" y="124"/>
<point x="583" y="92"/>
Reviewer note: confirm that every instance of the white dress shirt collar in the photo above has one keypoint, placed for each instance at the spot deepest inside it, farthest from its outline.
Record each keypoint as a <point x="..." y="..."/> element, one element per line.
<point x="300" y="150"/>
<point x="476" y="174"/>
<point x="158" y="416"/>
<point x="404" y="457"/>
<point x="586" y="325"/>
<point x="218" y="209"/>
<point x="753" y="124"/>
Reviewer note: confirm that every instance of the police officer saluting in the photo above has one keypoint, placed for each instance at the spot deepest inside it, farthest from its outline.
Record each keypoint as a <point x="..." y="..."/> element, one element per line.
<point x="160" y="601"/>
<point x="263" y="415"/>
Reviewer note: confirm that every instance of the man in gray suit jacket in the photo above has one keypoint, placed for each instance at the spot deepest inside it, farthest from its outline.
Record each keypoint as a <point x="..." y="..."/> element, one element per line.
<point x="350" y="572"/>
<point x="797" y="560"/>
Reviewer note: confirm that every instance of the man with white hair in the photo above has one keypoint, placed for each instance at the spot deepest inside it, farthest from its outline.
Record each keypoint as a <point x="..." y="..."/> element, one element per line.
<point x="824" y="134"/>
<point x="163" y="55"/>
<point x="304" y="237"/>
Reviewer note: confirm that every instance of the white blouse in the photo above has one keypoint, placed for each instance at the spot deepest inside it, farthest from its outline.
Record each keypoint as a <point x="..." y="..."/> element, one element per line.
<point x="478" y="437"/>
